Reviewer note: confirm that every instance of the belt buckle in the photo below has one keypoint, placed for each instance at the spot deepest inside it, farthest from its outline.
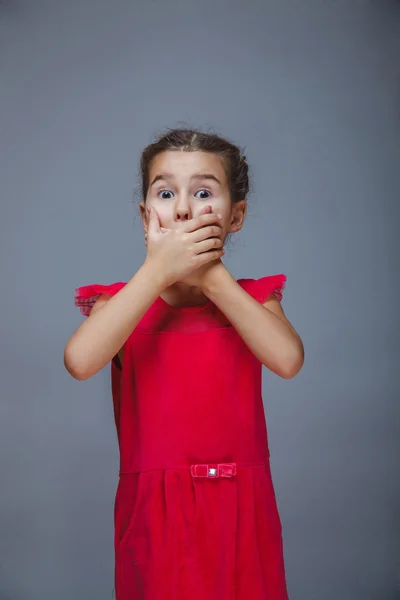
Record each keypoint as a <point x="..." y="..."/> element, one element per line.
<point x="214" y="471"/>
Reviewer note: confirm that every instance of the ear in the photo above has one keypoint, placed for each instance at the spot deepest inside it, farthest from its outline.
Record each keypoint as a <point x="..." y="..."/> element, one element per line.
<point x="238" y="214"/>
<point x="144" y="215"/>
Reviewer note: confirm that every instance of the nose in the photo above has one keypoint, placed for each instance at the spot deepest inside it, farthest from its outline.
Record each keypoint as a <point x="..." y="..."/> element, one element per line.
<point x="182" y="209"/>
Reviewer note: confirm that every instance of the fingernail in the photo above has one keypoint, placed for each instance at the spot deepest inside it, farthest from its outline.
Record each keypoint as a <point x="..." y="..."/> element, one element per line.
<point x="219" y="216"/>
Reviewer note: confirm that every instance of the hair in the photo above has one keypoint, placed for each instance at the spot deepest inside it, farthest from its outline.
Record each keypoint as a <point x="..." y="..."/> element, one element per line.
<point x="192" y="140"/>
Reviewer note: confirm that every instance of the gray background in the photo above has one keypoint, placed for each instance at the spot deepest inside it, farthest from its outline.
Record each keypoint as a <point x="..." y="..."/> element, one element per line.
<point x="311" y="89"/>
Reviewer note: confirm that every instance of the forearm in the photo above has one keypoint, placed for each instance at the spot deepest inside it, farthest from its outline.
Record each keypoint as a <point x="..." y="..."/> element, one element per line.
<point x="271" y="339"/>
<point x="104" y="332"/>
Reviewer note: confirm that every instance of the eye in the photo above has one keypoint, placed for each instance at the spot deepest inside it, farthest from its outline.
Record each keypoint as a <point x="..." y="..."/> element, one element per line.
<point x="164" y="194"/>
<point x="203" y="194"/>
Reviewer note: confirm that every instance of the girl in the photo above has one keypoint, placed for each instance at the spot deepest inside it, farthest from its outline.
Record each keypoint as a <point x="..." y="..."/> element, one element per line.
<point x="195" y="510"/>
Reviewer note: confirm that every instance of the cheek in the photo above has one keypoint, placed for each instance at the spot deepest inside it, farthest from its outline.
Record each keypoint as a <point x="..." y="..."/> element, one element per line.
<point x="164" y="211"/>
<point x="226" y="220"/>
<point x="222" y="206"/>
<point x="224" y="211"/>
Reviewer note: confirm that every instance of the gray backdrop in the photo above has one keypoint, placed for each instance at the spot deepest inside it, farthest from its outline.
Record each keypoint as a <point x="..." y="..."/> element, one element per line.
<point x="311" y="89"/>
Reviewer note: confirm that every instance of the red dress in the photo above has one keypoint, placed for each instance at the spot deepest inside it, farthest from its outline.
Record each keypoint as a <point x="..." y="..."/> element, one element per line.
<point x="195" y="511"/>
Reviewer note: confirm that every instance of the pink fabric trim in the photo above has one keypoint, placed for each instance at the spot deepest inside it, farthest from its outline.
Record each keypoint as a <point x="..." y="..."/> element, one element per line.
<point x="264" y="287"/>
<point x="86" y="296"/>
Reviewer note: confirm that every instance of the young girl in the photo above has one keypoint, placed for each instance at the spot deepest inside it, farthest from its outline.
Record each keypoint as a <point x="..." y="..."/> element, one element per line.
<point x="195" y="510"/>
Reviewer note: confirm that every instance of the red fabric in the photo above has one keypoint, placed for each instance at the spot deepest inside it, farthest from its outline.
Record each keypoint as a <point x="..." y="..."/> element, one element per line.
<point x="86" y="296"/>
<point x="260" y="289"/>
<point x="188" y="399"/>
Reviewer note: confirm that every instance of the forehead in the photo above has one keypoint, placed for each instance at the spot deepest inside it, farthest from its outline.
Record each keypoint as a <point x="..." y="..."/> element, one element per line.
<point x="186" y="164"/>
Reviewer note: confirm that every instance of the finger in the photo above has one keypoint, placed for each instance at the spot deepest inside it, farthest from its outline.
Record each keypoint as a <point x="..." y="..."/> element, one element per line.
<point x="206" y="210"/>
<point x="209" y="244"/>
<point x="206" y="232"/>
<point x="154" y="221"/>
<point x="201" y="221"/>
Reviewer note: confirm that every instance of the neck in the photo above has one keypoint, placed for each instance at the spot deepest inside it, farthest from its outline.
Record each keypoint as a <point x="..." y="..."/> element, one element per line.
<point x="181" y="294"/>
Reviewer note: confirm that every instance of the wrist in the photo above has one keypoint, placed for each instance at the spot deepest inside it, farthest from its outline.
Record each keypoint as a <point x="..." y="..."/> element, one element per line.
<point x="213" y="279"/>
<point x="155" y="275"/>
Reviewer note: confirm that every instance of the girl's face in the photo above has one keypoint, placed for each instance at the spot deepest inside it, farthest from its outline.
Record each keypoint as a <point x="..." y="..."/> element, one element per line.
<point x="182" y="184"/>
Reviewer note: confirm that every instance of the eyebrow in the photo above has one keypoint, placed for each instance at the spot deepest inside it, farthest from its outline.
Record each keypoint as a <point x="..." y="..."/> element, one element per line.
<point x="168" y="176"/>
<point x="206" y="176"/>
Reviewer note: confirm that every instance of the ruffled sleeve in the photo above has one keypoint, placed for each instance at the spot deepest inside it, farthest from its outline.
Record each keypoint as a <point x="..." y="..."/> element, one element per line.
<point x="86" y="296"/>
<point x="261" y="289"/>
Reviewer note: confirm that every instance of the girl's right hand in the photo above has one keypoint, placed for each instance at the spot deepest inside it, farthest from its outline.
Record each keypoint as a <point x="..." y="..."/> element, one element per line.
<point x="178" y="252"/>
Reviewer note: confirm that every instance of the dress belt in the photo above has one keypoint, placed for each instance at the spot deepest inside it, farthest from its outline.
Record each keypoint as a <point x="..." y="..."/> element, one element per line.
<point x="213" y="471"/>
<point x="203" y="470"/>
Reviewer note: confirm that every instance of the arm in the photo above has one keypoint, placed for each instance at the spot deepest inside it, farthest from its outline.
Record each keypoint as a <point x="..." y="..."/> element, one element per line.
<point x="102" y="335"/>
<point x="171" y="255"/>
<point x="264" y="328"/>
<point x="118" y="358"/>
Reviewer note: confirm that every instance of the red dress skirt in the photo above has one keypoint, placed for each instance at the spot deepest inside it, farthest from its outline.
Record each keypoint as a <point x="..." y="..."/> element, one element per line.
<point x="195" y="511"/>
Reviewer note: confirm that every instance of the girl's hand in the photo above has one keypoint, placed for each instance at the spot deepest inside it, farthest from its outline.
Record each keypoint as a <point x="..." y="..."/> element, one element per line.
<point x="200" y="276"/>
<point x="178" y="252"/>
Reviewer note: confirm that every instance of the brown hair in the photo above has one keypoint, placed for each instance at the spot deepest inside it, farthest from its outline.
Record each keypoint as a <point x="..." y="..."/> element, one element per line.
<point x="192" y="140"/>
